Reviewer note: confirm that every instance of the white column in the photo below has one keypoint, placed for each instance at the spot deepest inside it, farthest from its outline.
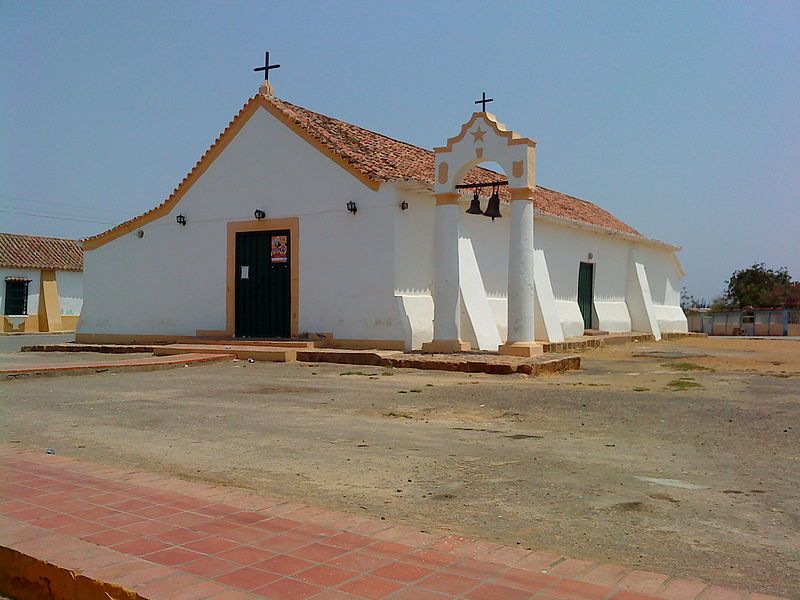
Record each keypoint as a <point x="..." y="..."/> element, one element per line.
<point x="521" y="293"/>
<point x="446" y="292"/>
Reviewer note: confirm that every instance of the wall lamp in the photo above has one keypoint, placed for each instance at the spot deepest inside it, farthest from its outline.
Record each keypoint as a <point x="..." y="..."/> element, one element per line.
<point x="259" y="214"/>
<point x="351" y="206"/>
<point x="404" y="205"/>
<point x="181" y="219"/>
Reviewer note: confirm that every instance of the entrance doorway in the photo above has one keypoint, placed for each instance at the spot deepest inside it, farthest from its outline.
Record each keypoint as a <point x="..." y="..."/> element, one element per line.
<point x="263" y="284"/>
<point x="586" y="292"/>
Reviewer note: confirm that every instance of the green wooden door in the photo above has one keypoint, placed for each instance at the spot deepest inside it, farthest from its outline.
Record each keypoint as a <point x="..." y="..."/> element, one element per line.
<point x="586" y="292"/>
<point x="263" y="284"/>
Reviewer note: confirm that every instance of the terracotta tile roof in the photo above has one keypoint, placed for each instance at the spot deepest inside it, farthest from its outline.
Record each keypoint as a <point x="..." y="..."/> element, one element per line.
<point x="33" y="252"/>
<point x="385" y="159"/>
<point x="375" y="158"/>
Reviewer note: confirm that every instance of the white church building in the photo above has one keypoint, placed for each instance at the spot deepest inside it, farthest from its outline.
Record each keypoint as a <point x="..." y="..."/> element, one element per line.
<point x="294" y="222"/>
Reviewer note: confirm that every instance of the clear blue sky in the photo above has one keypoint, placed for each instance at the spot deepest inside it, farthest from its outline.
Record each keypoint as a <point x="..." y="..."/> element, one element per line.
<point x="681" y="118"/>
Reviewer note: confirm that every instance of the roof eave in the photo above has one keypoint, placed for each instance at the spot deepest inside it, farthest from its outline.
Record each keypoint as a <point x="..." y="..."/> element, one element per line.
<point x="428" y="187"/>
<point x="606" y="231"/>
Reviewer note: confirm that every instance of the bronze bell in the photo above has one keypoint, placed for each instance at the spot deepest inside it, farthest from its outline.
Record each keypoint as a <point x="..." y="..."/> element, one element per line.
<point x="493" y="207"/>
<point x="475" y="205"/>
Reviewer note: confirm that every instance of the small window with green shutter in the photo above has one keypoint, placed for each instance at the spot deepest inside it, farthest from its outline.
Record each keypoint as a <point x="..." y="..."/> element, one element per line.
<point x="16" y="296"/>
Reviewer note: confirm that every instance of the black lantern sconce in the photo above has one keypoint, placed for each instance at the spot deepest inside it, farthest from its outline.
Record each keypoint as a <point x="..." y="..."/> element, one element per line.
<point x="404" y="205"/>
<point x="181" y="220"/>
<point x="259" y="214"/>
<point x="351" y="206"/>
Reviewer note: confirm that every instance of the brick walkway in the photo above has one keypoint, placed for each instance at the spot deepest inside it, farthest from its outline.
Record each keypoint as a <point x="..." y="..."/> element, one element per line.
<point x="166" y="538"/>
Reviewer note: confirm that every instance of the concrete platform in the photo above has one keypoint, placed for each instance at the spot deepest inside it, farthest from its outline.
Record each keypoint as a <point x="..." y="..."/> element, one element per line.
<point x="241" y="351"/>
<point x="327" y="345"/>
<point x="467" y="362"/>
<point x="13" y="342"/>
<point x="100" y="348"/>
<point x="145" y="363"/>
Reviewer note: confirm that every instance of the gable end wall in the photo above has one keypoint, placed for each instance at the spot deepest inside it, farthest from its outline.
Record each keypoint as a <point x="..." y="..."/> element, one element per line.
<point x="173" y="280"/>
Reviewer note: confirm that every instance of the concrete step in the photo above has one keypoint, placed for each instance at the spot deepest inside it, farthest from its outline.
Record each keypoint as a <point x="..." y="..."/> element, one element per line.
<point x="240" y="351"/>
<point x="377" y="358"/>
<point x="265" y="343"/>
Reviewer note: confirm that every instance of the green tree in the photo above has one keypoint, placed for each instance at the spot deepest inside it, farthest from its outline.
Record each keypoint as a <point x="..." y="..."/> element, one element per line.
<point x="758" y="286"/>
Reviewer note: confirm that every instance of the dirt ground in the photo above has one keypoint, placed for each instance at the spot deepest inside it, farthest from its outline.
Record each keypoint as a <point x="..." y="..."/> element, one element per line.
<point x="681" y="457"/>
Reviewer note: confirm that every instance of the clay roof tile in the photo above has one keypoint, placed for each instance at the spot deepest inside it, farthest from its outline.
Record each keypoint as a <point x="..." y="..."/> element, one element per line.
<point x="33" y="252"/>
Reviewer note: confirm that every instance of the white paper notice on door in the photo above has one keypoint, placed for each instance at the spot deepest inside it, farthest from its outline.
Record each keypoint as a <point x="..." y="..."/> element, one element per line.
<point x="245" y="274"/>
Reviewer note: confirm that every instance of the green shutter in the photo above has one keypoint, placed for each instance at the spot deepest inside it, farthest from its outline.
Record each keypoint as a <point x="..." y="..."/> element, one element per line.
<point x="16" y="298"/>
<point x="586" y="292"/>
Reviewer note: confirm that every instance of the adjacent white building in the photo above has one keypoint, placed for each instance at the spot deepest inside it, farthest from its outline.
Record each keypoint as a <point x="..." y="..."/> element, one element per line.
<point x="41" y="283"/>
<point x="294" y="222"/>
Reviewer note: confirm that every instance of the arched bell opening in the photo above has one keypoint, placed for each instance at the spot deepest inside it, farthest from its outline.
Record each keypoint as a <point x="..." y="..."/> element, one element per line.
<point x="487" y="184"/>
<point x="483" y="140"/>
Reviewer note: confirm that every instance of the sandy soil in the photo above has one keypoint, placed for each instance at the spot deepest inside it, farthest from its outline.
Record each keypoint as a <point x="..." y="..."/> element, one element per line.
<point x="652" y="456"/>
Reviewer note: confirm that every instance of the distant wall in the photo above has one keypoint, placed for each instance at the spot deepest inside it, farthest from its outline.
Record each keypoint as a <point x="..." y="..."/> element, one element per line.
<point x="758" y="322"/>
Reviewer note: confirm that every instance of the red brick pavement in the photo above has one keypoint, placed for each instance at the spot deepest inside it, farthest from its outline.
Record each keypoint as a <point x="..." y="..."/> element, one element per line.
<point x="166" y="538"/>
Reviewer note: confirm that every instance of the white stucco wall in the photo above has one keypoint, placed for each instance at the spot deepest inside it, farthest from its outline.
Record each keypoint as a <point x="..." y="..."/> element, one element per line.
<point x="364" y="276"/>
<point x="563" y="247"/>
<point x="173" y="280"/>
<point x="664" y="276"/>
<point x="33" y="287"/>
<point x="70" y="291"/>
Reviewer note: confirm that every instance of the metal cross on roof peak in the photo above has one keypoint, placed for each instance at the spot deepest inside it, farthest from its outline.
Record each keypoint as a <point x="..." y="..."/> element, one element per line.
<point x="484" y="101"/>
<point x="266" y="68"/>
